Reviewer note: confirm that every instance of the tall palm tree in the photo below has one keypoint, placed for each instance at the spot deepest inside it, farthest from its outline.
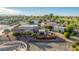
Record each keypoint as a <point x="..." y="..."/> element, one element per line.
<point x="6" y="32"/>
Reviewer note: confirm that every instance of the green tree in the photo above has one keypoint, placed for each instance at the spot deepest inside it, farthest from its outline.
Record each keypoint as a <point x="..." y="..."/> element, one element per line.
<point x="66" y="34"/>
<point x="45" y="17"/>
<point x="70" y="28"/>
<point x="31" y="21"/>
<point x="50" y="16"/>
<point x="55" y="18"/>
<point x="6" y="32"/>
<point x="75" y="46"/>
<point x="50" y="28"/>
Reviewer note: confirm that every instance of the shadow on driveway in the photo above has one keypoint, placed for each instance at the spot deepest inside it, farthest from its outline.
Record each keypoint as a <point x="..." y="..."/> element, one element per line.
<point x="42" y="46"/>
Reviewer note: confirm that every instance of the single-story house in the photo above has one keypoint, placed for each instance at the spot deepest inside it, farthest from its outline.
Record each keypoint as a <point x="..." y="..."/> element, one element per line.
<point x="36" y="22"/>
<point x="26" y="28"/>
<point x="53" y="23"/>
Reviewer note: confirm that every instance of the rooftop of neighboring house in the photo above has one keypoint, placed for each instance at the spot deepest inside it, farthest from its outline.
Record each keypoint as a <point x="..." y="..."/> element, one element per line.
<point x="3" y="26"/>
<point x="28" y="25"/>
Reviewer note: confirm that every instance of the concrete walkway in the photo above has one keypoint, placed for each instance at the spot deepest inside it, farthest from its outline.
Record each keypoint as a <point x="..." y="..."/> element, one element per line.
<point x="62" y="37"/>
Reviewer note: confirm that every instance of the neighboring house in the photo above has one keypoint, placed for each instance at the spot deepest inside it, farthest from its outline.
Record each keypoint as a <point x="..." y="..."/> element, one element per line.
<point x="36" y="22"/>
<point x="23" y="23"/>
<point x="25" y="28"/>
<point x="59" y="28"/>
<point x="76" y="30"/>
<point x="53" y="23"/>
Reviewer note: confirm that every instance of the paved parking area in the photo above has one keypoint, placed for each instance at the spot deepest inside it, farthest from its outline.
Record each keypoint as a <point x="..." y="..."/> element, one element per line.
<point x="46" y="46"/>
<point x="49" y="46"/>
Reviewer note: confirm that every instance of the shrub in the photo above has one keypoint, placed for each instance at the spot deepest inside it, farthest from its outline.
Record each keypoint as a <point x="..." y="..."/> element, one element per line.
<point x="23" y="33"/>
<point x="28" y="33"/>
<point x="34" y="34"/>
<point x="67" y="34"/>
<point x="58" y="30"/>
<point x="7" y="30"/>
<point x="77" y="43"/>
<point x="76" y="46"/>
<point x="16" y="34"/>
<point x="31" y="22"/>
<point x="50" y="28"/>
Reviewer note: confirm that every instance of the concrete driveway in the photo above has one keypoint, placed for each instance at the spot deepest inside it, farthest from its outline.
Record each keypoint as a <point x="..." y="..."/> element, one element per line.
<point x="49" y="46"/>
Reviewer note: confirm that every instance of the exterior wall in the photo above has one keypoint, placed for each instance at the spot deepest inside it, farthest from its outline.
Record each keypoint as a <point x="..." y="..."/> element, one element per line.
<point x="56" y="28"/>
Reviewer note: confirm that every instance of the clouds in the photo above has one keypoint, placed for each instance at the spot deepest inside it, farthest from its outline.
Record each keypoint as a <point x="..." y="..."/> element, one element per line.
<point x="6" y="11"/>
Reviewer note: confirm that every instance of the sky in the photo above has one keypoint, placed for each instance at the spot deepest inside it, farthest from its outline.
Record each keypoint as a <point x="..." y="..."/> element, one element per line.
<point x="61" y="11"/>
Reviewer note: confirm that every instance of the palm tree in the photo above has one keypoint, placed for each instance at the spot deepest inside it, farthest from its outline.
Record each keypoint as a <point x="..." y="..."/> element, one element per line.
<point x="6" y="32"/>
